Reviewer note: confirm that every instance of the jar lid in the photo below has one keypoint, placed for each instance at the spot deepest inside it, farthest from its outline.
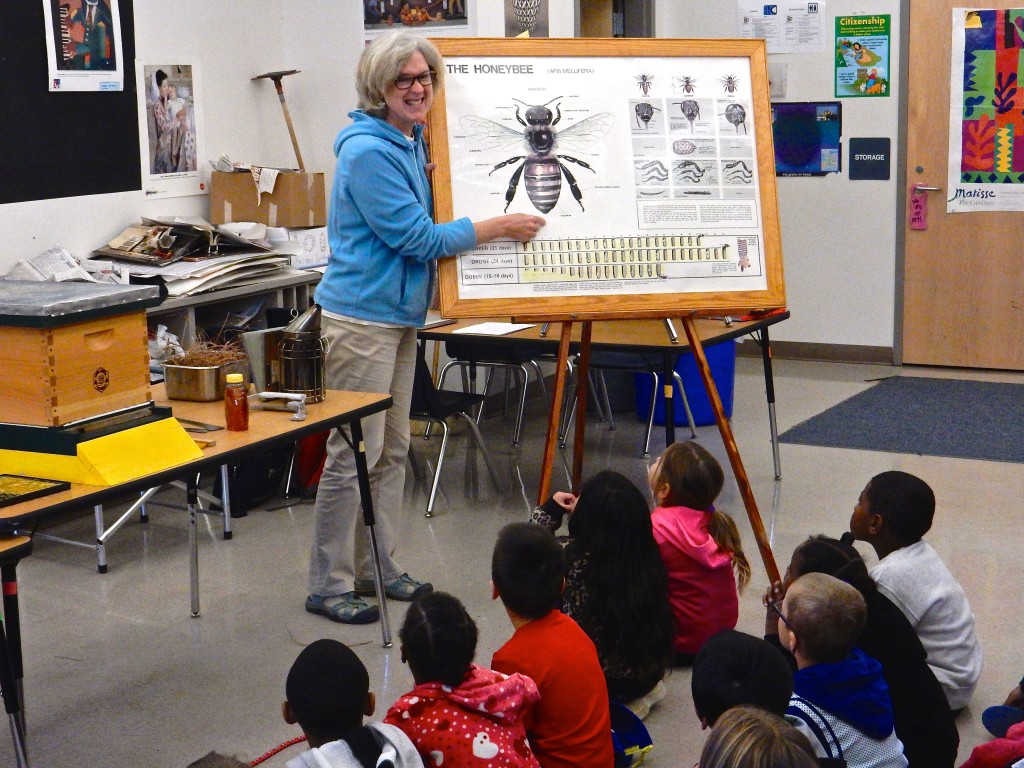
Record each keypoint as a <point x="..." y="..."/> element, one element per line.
<point x="234" y="378"/>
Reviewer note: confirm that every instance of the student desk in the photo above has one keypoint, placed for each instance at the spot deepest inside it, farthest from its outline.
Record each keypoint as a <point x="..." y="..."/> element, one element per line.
<point x="266" y="429"/>
<point x="645" y="336"/>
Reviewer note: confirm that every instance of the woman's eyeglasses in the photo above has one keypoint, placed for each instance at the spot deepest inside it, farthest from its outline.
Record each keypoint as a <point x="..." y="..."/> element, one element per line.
<point x="777" y="607"/>
<point x="404" y="82"/>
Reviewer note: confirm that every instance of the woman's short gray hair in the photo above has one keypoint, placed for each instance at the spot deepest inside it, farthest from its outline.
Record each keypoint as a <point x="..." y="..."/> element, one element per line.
<point x="382" y="62"/>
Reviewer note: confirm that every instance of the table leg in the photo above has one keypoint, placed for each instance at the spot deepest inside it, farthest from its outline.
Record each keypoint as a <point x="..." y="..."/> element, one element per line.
<point x="10" y="664"/>
<point x="769" y="389"/>
<point x="225" y="500"/>
<point x="101" y="548"/>
<point x="366" y="500"/>
<point x="670" y="406"/>
<point x="192" y="495"/>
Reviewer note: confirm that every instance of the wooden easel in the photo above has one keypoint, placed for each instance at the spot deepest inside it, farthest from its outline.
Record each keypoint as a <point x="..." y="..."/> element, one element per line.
<point x="724" y="428"/>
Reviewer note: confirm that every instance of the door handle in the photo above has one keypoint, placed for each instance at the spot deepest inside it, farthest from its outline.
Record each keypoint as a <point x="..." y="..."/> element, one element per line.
<point x="922" y="188"/>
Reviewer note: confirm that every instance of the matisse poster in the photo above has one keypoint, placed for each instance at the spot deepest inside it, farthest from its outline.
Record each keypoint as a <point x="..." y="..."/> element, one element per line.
<point x="986" y="126"/>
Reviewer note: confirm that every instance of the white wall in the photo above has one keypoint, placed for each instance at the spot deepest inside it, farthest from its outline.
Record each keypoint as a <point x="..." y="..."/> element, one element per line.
<point x="231" y="42"/>
<point x="838" y="236"/>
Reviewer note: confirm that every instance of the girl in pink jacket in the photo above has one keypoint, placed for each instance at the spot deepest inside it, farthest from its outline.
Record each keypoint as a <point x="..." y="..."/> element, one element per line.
<point x="699" y="545"/>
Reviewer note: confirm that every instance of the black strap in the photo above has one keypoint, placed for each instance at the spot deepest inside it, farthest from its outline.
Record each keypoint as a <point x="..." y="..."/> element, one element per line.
<point x="816" y="729"/>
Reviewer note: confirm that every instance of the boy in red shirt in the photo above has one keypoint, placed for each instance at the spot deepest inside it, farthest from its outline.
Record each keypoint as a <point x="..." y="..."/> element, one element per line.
<point x="571" y="725"/>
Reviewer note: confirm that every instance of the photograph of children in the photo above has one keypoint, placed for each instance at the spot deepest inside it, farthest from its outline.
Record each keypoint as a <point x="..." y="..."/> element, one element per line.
<point x="526" y="18"/>
<point x="84" y="36"/>
<point x="171" y="122"/>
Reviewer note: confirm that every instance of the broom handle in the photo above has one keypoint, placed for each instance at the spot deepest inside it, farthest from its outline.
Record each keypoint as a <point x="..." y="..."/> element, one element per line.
<point x="291" y="128"/>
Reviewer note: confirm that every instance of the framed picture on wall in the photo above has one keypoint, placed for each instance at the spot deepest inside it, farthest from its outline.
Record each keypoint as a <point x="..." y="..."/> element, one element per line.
<point x="650" y="161"/>
<point x="83" y="45"/>
<point x="170" y="130"/>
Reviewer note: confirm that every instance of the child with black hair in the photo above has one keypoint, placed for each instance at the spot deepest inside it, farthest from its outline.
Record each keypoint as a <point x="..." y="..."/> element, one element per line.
<point x="840" y="699"/>
<point x="894" y="512"/>
<point x="923" y="720"/>
<point x="699" y="544"/>
<point x="328" y="692"/>
<point x="482" y="710"/>
<point x="734" y="669"/>
<point x="615" y="586"/>
<point x="571" y="725"/>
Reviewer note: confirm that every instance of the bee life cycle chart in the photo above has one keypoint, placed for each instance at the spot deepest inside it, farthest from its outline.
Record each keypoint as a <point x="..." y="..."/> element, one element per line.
<point x="648" y="169"/>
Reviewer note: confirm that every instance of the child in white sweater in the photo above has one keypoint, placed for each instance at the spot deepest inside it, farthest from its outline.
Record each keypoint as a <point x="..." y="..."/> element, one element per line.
<point x="894" y="511"/>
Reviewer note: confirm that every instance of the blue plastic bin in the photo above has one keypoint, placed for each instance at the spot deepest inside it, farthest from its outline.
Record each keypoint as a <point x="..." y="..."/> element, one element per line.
<point x="721" y="360"/>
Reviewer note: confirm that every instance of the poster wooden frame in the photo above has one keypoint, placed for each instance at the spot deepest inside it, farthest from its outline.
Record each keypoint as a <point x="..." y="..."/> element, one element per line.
<point x="638" y="305"/>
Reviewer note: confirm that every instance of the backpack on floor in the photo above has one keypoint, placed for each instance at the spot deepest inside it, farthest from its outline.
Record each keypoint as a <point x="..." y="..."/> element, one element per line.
<point x="631" y="740"/>
<point x="255" y="479"/>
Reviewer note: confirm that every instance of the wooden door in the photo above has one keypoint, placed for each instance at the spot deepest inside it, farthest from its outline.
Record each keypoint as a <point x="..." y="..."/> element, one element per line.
<point x="964" y="275"/>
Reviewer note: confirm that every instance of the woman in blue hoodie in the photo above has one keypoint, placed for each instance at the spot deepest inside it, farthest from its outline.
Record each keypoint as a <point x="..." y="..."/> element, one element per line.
<point x="374" y="295"/>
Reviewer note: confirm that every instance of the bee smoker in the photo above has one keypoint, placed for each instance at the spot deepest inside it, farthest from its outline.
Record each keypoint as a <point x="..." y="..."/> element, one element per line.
<point x="303" y="350"/>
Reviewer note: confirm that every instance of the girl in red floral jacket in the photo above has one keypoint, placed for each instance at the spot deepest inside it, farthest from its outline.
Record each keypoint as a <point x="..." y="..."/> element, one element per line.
<point x="459" y="715"/>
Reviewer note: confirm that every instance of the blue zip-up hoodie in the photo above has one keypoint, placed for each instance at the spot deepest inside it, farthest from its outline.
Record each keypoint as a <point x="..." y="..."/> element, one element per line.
<point x="853" y="690"/>
<point x="381" y="227"/>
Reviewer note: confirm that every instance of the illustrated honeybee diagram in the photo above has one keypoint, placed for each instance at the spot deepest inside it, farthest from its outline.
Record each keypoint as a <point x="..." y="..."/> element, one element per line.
<point x="543" y="165"/>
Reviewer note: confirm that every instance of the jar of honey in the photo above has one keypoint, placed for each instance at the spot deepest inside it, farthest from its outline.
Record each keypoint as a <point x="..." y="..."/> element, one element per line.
<point x="236" y="403"/>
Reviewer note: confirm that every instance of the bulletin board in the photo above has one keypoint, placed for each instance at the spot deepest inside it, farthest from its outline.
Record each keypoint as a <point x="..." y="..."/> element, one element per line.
<point x="62" y="144"/>
<point x="650" y="160"/>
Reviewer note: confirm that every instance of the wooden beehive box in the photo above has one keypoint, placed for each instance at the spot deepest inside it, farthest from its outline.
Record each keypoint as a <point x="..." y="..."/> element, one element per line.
<point x="72" y="351"/>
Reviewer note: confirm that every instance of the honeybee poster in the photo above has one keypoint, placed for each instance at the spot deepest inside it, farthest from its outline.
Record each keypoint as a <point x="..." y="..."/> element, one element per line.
<point x="650" y="171"/>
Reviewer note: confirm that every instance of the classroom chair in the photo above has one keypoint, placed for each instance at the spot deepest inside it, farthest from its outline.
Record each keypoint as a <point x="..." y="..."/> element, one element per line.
<point x="435" y="406"/>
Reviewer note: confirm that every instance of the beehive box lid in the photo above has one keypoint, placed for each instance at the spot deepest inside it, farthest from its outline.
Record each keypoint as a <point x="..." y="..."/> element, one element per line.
<point x="36" y="304"/>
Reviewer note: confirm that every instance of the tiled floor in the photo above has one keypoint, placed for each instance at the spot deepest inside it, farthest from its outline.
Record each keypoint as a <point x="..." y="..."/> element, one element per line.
<point x="117" y="674"/>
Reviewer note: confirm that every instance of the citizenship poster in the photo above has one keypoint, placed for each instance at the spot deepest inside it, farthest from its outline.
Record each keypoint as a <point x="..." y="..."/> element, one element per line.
<point x="862" y="56"/>
<point x="83" y="45"/>
<point x="644" y="169"/>
<point x="986" y="133"/>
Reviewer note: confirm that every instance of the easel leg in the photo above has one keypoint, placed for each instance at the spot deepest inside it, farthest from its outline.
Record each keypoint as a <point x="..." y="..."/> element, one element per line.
<point x="551" y="442"/>
<point x="730" y="446"/>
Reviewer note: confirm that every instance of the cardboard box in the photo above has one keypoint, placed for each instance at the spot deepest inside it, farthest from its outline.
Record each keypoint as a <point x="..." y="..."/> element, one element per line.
<point x="298" y="200"/>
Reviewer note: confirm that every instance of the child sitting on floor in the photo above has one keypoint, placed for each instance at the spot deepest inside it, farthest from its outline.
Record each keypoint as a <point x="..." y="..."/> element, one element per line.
<point x="699" y="544"/>
<point x="328" y="692"/>
<point x="735" y="669"/>
<point x="749" y="737"/>
<point x="615" y="586"/>
<point x="894" y="511"/>
<point x="571" y="726"/>
<point x="840" y="699"/>
<point x="923" y="720"/>
<point x="484" y="709"/>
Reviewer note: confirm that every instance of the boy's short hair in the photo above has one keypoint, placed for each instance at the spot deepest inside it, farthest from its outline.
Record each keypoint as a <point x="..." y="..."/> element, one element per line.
<point x="528" y="569"/>
<point x="734" y="668"/>
<point x="826" y="614"/>
<point x="906" y="502"/>
<point x="326" y="689"/>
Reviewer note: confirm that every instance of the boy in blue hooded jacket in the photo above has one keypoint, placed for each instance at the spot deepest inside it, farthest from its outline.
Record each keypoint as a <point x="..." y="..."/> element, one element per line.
<point x="840" y="699"/>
